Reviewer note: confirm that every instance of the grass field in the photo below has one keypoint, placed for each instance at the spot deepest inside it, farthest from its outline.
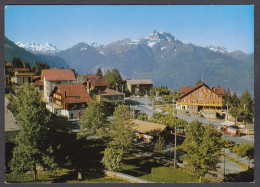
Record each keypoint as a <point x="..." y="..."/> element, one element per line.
<point x="67" y="176"/>
<point x="148" y="169"/>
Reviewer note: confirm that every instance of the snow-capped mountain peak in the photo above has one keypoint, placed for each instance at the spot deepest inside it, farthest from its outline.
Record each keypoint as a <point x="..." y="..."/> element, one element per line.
<point x="220" y="49"/>
<point x="46" y="48"/>
<point x="96" y="44"/>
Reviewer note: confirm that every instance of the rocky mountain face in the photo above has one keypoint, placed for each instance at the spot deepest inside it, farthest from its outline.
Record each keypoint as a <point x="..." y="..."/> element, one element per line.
<point x="167" y="61"/>
<point x="12" y="50"/>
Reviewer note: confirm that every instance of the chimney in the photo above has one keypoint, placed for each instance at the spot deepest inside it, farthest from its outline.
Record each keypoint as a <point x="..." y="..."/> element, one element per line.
<point x="65" y="94"/>
<point x="218" y="86"/>
<point x="211" y="86"/>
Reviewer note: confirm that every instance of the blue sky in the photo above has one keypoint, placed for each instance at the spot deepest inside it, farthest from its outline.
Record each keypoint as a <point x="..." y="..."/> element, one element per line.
<point x="231" y="26"/>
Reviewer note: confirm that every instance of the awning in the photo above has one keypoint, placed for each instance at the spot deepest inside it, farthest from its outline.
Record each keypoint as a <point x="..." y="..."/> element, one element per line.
<point x="227" y="123"/>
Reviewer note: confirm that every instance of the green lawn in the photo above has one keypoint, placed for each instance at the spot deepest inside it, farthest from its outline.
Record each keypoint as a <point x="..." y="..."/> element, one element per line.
<point x="148" y="169"/>
<point x="67" y="176"/>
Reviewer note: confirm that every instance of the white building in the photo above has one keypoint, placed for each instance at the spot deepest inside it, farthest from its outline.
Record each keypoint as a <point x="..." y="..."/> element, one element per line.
<point x="52" y="77"/>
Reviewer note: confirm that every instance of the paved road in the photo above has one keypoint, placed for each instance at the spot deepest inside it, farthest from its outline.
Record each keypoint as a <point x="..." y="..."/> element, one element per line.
<point x="10" y="123"/>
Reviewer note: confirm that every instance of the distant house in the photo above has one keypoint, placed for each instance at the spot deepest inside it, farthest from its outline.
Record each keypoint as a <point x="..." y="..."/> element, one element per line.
<point x="201" y="98"/>
<point x="21" y="76"/>
<point x="8" y="72"/>
<point x="54" y="76"/>
<point x="144" y="129"/>
<point x="95" y="83"/>
<point x="111" y="96"/>
<point x="69" y="100"/>
<point x="139" y="86"/>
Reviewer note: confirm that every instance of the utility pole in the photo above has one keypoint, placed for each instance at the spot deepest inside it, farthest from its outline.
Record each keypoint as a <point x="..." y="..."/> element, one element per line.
<point x="175" y="134"/>
<point x="227" y="110"/>
<point x="224" y="165"/>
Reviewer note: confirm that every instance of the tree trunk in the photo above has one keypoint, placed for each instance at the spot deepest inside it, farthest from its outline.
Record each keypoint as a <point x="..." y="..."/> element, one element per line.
<point x="248" y="163"/>
<point x="35" y="172"/>
<point x="200" y="179"/>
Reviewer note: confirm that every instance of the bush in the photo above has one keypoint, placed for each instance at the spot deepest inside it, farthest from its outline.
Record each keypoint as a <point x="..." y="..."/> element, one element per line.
<point x="158" y="147"/>
<point x="142" y="117"/>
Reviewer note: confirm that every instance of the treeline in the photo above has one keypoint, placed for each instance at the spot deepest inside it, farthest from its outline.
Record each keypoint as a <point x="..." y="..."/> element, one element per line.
<point x="242" y="109"/>
<point x="37" y="67"/>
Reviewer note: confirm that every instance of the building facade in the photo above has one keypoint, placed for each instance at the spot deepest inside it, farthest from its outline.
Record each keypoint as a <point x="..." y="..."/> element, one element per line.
<point x="111" y="96"/>
<point x="201" y="98"/>
<point x="54" y="76"/>
<point x="21" y="76"/>
<point x="69" y="100"/>
<point x="139" y="86"/>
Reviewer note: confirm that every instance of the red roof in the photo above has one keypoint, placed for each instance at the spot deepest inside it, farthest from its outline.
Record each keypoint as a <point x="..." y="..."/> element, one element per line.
<point x="186" y="90"/>
<point x="96" y="80"/>
<point x="56" y="74"/>
<point x="75" y="93"/>
<point x="21" y="69"/>
<point x="111" y="92"/>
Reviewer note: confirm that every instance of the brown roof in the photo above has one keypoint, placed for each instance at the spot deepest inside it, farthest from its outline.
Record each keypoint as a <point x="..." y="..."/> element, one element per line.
<point x="8" y="64"/>
<point x="187" y="90"/>
<point x="96" y="80"/>
<point x="219" y="90"/>
<point x="56" y="74"/>
<point x="145" y="126"/>
<point x="21" y="69"/>
<point x="139" y="82"/>
<point x="75" y="93"/>
<point x="38" y="83"/>
<point x="111" y="92"/>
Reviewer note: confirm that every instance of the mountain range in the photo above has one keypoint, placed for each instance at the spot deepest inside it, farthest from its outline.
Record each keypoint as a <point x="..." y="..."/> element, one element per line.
<point x="13" y="50"/>
<point x="166" y="60"/>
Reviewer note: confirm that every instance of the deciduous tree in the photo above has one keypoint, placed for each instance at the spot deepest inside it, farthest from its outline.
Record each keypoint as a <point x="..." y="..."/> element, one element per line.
<point x="202" y="146"/>
<point x="33" y="147"/>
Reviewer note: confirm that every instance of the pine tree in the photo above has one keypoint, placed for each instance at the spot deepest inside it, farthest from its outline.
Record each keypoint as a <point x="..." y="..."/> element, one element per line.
<point x="158" y="146"/>
<point x="99" y="72"/>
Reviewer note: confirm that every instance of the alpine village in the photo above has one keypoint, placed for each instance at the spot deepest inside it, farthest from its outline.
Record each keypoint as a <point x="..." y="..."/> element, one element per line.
<point x="99" y="127"/>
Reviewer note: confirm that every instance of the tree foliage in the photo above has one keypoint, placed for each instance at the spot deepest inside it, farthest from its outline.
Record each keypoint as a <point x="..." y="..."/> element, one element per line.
<point x="244" y="150"/>
<point x="114" y="78"/>
<point x="33" y="141"/>
<point x="158" y="146"/>
<point x="120" y="137"/>
<point x="93" y="119"/>
<point x="99" y="72"/>
<point x="39" y="66"/>
<point x="202" y="146"/>
<point x="17" y="63"/>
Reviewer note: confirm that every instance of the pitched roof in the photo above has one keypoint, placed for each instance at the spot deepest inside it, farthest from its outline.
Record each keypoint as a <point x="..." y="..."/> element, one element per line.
<point x="96" y="80"/>
<point x="187" y="90"/>
<point x="75" y="93"/>
<point x="8" y="64"/>
<point x="21" y="69"/>
<point x="111" y="92"/>
<point x="135" y="82"/>
<point x="38" y="83"/>
<point x="145" y="126"/>
<point x="56" y="74"/>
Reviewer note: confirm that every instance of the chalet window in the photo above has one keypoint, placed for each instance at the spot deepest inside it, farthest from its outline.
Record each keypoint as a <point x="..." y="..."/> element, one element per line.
<point x="204" y="90"/>
<point x="184" y="100"/>
<point x="189" y="95"/>
<point x="188" y="101"/>
<point x="58" y="82"/>
<point x="214" y="96"/>
<point x="75" y="106"/>
<point x="213" y="102"/>
<point x="200" y="99"/>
